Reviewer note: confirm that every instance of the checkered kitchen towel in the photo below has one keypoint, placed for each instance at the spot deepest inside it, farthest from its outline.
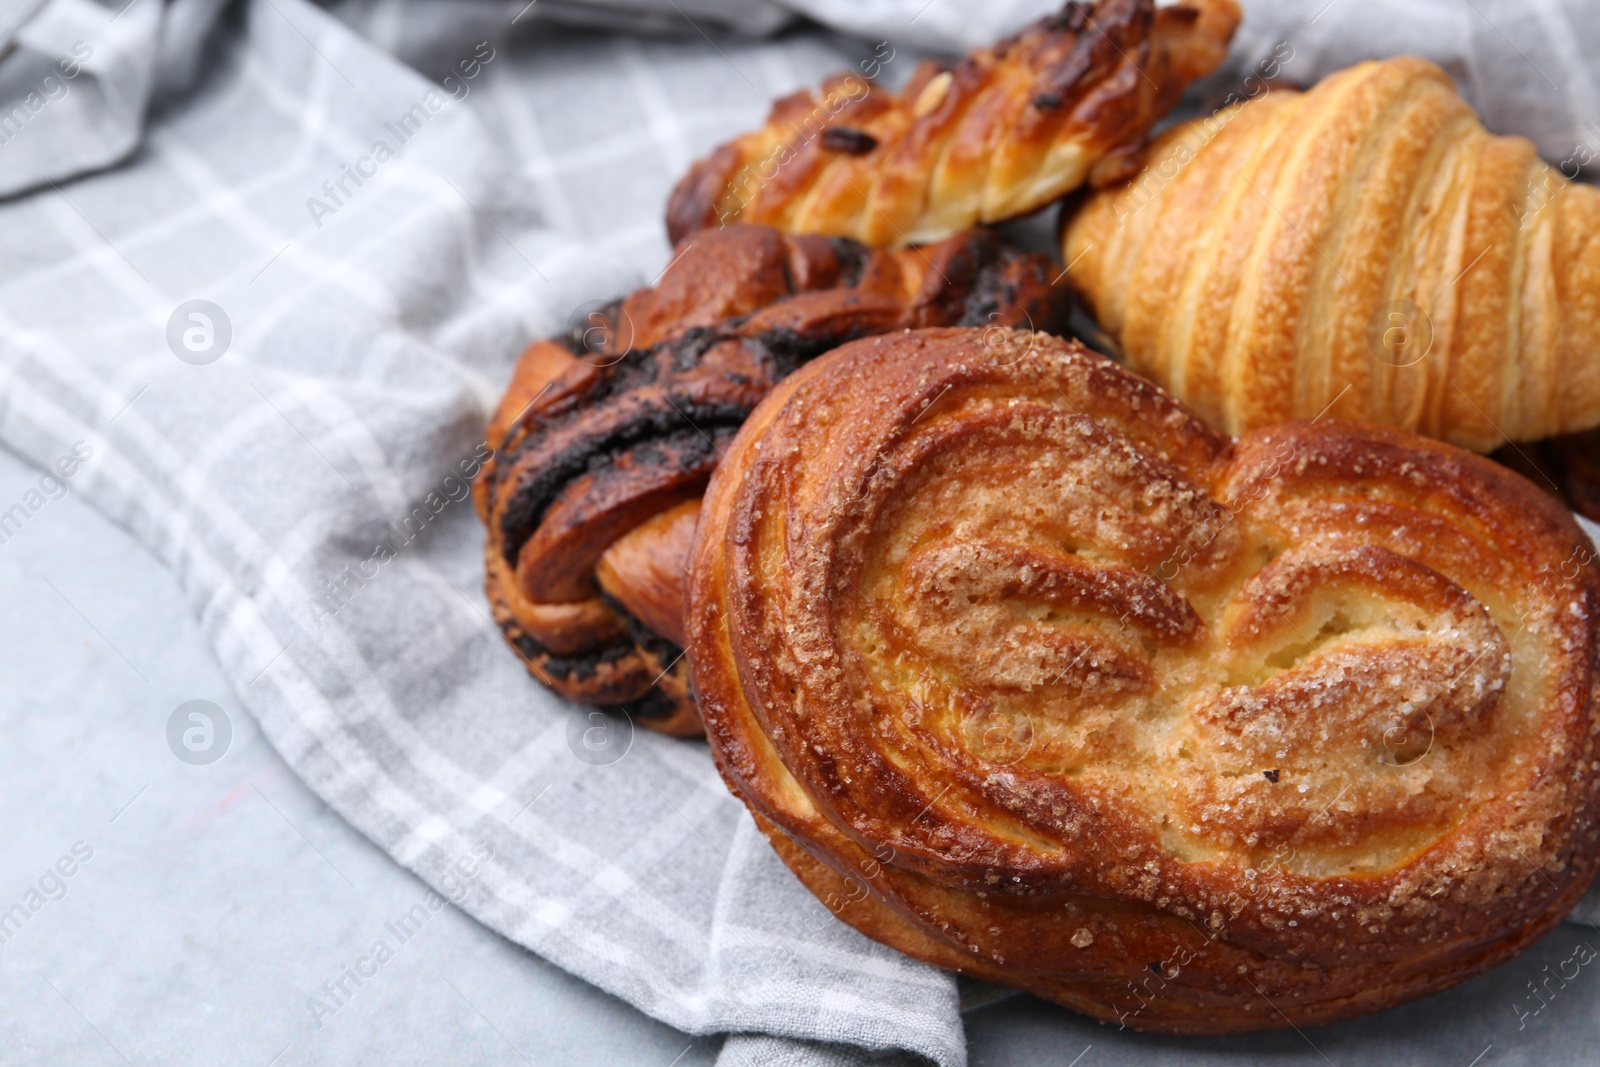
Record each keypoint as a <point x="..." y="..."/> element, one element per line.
<point x="279" y="322"/>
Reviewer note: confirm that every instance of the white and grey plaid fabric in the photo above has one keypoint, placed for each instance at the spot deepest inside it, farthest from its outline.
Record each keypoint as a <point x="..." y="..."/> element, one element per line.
<point x="375" y="243"/>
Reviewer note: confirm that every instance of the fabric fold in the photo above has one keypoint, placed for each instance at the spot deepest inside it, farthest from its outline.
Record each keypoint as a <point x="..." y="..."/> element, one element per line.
<point x="279" y="327"/>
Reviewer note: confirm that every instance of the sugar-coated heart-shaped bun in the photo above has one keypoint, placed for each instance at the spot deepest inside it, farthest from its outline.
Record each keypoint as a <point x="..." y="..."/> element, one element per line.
<point x="1028" y="673"/>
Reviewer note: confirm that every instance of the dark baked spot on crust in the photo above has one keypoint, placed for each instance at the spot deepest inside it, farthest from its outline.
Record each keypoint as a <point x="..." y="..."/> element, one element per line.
<point x="848" y="140"/>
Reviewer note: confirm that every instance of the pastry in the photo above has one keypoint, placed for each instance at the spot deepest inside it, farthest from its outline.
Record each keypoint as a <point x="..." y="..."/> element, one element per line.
<point x="1569" y="467"/>
<point x="1365" y="248"/>
<point x="1029" y="673"/>
<point x="604" y="439"/>
<point x="998" y="134"/>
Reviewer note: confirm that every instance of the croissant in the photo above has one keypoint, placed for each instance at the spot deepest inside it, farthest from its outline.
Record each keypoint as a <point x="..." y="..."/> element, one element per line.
<point x="1029" y="673"/>
<point x="999" y="134"/>
<point x="604" y="439"/>
<point x="1366" y="249"/>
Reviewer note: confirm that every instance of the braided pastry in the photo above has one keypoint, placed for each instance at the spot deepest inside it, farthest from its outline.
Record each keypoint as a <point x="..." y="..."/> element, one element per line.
<point x="1028" y="673"/>
<point x="1568" y="466"/>
<point x="604" y="440"/>
<point x="1576" y="462"/>
<point x="1365" y="248"/>
<point x="999" y="134"/>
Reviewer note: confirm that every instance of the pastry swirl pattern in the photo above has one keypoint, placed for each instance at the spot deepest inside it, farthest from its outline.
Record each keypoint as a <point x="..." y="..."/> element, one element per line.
<point x="604" y="439"/>
<point x="1029" y="673"/>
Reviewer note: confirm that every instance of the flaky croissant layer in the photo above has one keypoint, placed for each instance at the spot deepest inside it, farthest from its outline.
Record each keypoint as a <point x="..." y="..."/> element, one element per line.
<point x="1365" y="249"/>
<point x="1029" y="673"/>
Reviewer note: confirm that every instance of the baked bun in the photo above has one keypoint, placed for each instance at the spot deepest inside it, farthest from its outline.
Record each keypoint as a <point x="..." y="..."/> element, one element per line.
<point x="1367" y="249"/>
<point x="604" y="439"/>
<point x="1027" y="672"/>
<point x="996" y="135"/>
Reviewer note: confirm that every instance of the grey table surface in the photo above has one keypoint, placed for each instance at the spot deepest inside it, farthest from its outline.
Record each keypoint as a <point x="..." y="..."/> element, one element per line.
<point x="216" y="899"/>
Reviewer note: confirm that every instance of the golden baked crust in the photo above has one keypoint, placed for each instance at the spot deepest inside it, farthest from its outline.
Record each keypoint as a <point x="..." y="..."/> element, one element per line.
<point x="1365" y="248"/>
<point x="604" y="439"/>
<point x="1029" y="673"/>
<point x="999" y="134"/>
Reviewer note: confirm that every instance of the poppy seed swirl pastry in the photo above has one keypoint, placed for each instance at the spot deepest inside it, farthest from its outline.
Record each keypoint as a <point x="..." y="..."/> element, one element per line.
<point x="1568" y="466"/>
<point x="1001" y="133"/>
<point x="1027" y="672"/>
<point x="604" y="440"/>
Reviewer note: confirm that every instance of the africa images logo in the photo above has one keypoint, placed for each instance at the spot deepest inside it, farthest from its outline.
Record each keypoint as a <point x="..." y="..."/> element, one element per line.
<point x="199" y="332"/>
<point x="199" y="732"/>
